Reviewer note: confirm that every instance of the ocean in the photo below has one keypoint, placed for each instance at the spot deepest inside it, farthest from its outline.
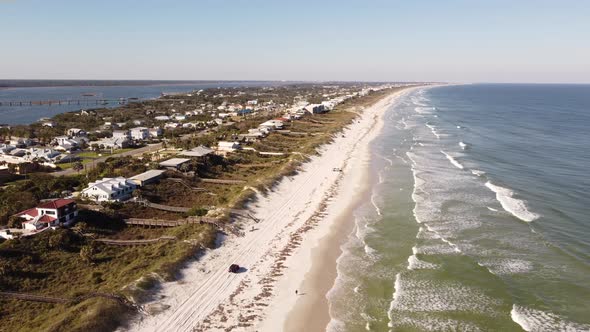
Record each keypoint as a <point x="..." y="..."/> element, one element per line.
<point x="478" y="215"/>
<point x="113" y="91"/>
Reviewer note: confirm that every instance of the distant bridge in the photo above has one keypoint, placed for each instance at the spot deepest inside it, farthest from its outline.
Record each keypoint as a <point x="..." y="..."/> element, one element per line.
<point x="105" y="102"/>
<point x="63" y="102"/>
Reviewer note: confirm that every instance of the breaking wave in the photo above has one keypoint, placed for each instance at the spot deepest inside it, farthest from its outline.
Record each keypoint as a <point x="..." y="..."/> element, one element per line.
<point x="514" y="206"/>
<point x="452" y="160"/>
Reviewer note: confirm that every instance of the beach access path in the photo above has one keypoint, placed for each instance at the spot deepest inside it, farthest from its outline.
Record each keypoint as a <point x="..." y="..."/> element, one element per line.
<point x="209" y="298"/>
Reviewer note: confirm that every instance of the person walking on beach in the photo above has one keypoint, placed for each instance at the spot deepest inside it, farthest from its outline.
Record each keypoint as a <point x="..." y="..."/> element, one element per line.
<point x="296" y="292"/>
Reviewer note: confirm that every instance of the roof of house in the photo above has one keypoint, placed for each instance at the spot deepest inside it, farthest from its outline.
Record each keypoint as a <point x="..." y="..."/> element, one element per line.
<point x="199" y="151"/>
<point x="108" y="185"/>
<point x="30" y="212"/>
<point x="46" y="219"/>
<point x="174" y="162"/>
<point x="147" y="175"/>
<point x="55" y="204"/>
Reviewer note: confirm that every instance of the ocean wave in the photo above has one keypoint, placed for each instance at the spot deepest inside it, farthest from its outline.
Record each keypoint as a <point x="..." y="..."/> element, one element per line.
<point x="414" y="263"/>
<point x="492" y="209"/>
<point x="435" y="324"/>
<point x="377" y="209"/>
<point x="506" y="266"/>
<point x="514" y="206"/>
<point x="463" y="145"/>
<point x="425" y="234"/>
<point x="452" y="160"/>
<point x="532" y="320"/>
<point x="477" y="172"/>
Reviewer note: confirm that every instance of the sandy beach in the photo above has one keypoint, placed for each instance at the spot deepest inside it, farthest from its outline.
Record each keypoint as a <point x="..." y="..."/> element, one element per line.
<point x="293" y="247"/>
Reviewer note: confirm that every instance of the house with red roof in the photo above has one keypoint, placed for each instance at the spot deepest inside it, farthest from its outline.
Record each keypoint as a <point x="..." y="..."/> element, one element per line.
<point x="50" y="214"/>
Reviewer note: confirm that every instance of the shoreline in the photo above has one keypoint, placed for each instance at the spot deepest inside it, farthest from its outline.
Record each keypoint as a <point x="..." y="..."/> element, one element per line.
<point x="299" y="212"/>
<point x="310" y="312"/>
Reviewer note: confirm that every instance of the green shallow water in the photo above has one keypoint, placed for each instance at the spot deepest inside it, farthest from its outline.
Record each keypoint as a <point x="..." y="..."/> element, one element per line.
<point x="435" y="250"/>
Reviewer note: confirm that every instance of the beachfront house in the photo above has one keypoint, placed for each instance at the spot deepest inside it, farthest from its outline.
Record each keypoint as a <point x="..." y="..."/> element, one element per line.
<point x="50" y="214"/>
<point x="148" y="177"/>
<point x="174" y="163"/>
<point x="272" y="124"/>
<point x="199" y="151"/>
<point x="315" y="109"/>
<point x="109" y="190"/>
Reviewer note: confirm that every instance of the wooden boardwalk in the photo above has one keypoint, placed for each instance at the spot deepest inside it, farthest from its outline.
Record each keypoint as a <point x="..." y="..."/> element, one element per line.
<point x="52" y="299"/>
<point x="191" y="220"/>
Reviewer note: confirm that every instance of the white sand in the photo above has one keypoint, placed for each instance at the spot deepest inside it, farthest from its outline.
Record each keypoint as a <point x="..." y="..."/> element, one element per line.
<point x="294" y="217"/>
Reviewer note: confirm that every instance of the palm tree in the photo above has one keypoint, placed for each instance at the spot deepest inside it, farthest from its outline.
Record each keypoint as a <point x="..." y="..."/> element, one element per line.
<point x="78" y="166"/>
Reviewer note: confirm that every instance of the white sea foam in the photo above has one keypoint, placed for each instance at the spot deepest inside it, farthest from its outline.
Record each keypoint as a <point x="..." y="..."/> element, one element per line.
<point x="419" y="295"/>
<point x="492" y="209"/>
<point x="425" y="234"/>
<point x="377" y="209"/>
<point x="463" y="145"/>
<point x="433" y="130"/>
<point x="435" y="324"/>
<point x="513" y="205"/>
<point x="372" y="253"/>
<point x="452" y="160"/>
<point x="506" y="266"/>
<point x="478" y="172"/>
<point x="532" y="320"/>
<point x="424" y="110"/>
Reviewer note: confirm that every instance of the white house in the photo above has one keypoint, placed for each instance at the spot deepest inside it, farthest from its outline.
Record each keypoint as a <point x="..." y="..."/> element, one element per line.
<point x="64" y="143"/>
<point x="155" y="132"/>
<point x="76" y="132"/>
<point x="274" y="124"/>
<point x="228" y="146"/>
<point x="123" y="134"/>
<point x="110" y="189"/>
<point x="162" y="118"/>
<point x="315" y="108"/>
<point x="113" y="143"/>
<point x="140" y="133"/>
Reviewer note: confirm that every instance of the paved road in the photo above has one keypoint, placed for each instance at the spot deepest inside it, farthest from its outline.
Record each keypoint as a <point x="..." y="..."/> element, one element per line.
<point x="135" y="152"/>
<point x="89" y="166"/>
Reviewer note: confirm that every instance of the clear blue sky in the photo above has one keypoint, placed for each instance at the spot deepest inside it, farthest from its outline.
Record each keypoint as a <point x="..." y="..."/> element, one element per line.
<point x="454" y="40"/>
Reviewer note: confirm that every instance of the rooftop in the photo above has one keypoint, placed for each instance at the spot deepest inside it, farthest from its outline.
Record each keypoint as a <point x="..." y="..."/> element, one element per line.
<point x="199" y="151"/>
<point x="174" y="162"/>
<point x="147" y="175"/>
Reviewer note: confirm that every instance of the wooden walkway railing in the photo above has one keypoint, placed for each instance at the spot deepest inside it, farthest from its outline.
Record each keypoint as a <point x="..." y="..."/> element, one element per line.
<point x="220" y="181"/>
<point x="191" y="220"/>
<point x="135" y="242"/>
<point x="179" y="209"/>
